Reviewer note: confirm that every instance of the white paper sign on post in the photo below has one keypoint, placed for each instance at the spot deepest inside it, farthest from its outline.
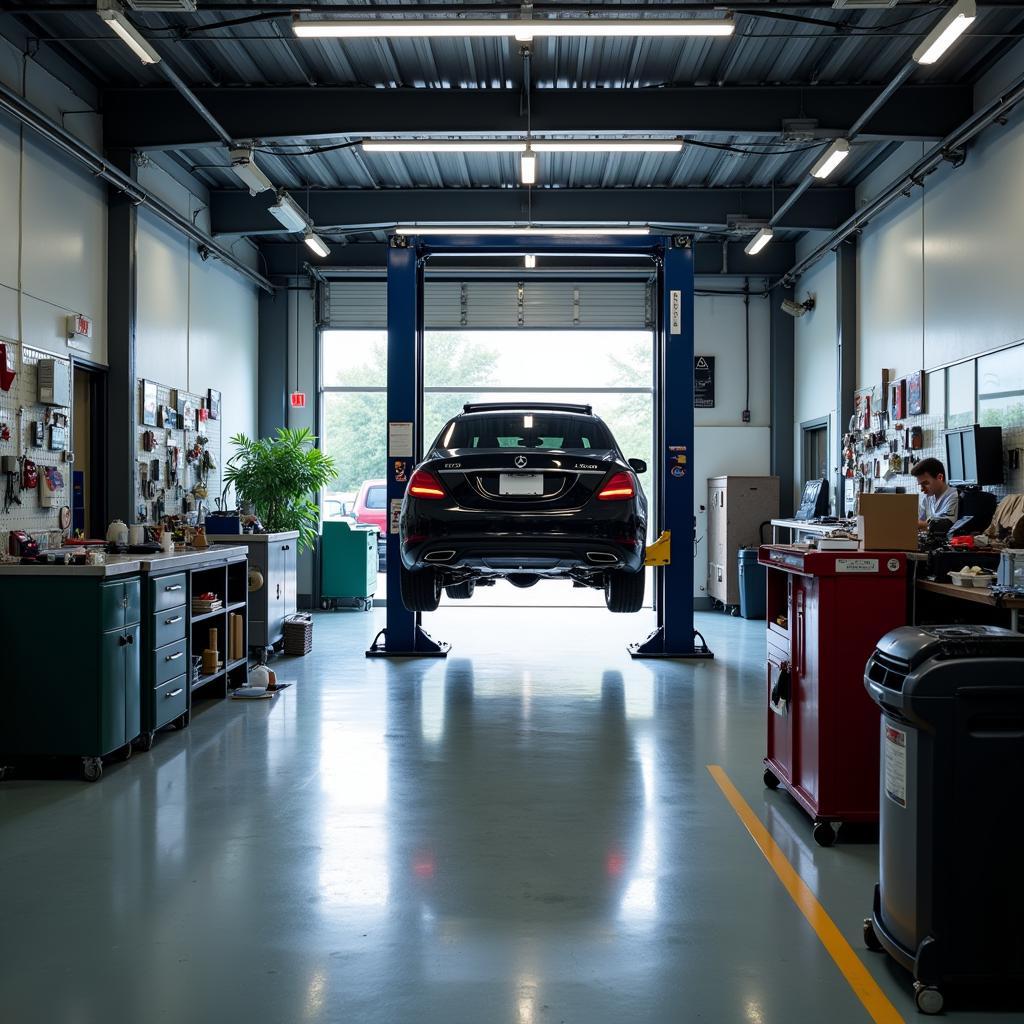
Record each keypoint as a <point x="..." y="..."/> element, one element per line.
<point x="399" y="440"/>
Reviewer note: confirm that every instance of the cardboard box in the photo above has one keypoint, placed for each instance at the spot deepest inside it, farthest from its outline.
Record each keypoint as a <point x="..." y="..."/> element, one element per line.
<point x="887" y="522"/>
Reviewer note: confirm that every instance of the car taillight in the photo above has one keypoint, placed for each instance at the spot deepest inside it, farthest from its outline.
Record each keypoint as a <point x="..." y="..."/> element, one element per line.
<point x="424" y="484"/>
<point x="618" y="488"/>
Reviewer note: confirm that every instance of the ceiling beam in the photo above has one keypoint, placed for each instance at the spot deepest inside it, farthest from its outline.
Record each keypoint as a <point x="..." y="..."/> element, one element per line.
<point x="286" y="259"/>
<point x="235" y="212"/>
<point x="161" y="119"/>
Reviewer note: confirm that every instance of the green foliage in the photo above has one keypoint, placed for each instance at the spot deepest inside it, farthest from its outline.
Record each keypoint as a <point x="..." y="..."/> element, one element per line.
<point x="355" y="423"/>
<point x="282" y="477"/>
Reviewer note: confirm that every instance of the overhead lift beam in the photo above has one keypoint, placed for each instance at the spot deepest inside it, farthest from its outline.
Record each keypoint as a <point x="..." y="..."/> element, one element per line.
<point x="672" y="260"/>
<point x="235" y="212"/>
<point x="160" y="118"/>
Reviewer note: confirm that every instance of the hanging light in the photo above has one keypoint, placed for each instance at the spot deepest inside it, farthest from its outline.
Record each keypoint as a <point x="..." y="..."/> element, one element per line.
<point x="530" y="261"/>
<point x="528" y="167"/>
<point x="831" y="158"/>
<point x="949" y="29"/>
<point x="759" y="241"/>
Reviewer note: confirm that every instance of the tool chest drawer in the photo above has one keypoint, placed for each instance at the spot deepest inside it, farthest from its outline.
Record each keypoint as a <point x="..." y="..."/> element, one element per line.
<point x="168" y="591"/>
<point x="168" y="626"/>
<point x="171" y="700"/>
<point x="169" y="662"/>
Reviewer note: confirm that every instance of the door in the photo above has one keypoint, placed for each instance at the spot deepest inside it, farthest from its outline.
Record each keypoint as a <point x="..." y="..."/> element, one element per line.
<point x="806" y="683"/>
<point x="275" y="591"/>
<point x="132" y="654"/>
<point x="88" y="441"/>
<point x="112" y="709"/>
<point x="289" y="570"/>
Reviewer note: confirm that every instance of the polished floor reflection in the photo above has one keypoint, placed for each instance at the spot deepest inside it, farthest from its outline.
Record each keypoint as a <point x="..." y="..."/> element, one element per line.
<point x="521" y="834"/>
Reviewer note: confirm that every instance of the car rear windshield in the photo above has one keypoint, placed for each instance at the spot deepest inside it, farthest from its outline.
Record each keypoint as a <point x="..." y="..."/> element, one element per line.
<point x="525" y="430"/>
<point x="376" y="497"/>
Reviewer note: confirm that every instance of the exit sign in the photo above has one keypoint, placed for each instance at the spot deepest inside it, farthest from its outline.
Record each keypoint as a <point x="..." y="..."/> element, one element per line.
<point x="298" y="399"/>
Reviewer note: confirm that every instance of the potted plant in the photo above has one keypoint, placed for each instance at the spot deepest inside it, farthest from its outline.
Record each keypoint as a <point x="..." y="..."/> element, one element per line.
<point x="280" y="477"/>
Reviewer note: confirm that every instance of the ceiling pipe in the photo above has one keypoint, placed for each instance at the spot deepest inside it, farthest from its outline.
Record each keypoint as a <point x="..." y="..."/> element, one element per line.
<point x="855" y="129"/>
<point x="560" y="6"/>
<point x="35" y="119"/>
<point x="956" y="140"/>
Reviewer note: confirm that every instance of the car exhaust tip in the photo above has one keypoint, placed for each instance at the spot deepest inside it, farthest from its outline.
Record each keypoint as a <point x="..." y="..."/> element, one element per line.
<point x="601" y="557"/>
<point x="439" y="556"/>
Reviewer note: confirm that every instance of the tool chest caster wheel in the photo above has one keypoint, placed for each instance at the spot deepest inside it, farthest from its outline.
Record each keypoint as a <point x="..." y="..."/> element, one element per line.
<point x="181" y="722"/>
<point x="928" y="998"/>
<point x="145" y="741"/>
<point x="870" y="938"/>
<point x="92" y="769"/>
<point x="125" y="752"/>
<point x="770" y="780"/>
<point x="823" y="833"/>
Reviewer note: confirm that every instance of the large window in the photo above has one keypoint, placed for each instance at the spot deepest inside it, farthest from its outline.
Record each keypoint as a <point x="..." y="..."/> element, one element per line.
<point x="612" y="371"/>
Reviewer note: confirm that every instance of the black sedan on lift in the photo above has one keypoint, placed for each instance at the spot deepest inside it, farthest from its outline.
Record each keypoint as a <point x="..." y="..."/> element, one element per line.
<point x="523" y="492"/>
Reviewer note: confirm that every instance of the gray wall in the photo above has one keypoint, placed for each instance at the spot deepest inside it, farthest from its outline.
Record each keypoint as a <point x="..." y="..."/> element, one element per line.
<point x="52" y="218"/>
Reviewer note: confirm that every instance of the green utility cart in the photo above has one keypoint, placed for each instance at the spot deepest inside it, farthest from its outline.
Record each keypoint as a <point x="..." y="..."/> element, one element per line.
<point x="348" y="565"/>
<point x="70" y="680"/>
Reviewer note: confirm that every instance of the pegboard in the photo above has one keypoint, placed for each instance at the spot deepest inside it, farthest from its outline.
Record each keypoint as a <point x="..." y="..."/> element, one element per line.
<point x="933" y="429"/>
<point x="177" y="498"/>
<point x="19" y="409"/>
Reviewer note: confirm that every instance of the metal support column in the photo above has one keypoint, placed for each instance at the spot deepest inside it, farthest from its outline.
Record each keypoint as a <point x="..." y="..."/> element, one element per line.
<point x="782" y="380"/>
<point x="846" y="357"/>
<point x="272" y="407"/>
<point x="122" y="389"/>
<point x="403" y="635"/>
<point x="674" y="636"/>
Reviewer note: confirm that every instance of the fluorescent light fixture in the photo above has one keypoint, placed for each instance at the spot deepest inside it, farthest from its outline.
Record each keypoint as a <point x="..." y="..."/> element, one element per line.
<point x="759" y="241"/>
<point x="954" y="23"/>
<point x="442" y="146"/>
<point x="527" y="420"/>
<point x="521" y="29"/>
<point x="316" y="243"/>
<point x="528" y="167"/>
<point x="529" y="261"/>
<point x="608" y="146"/>
<point x="245" y="168"/>
<point x="289" y="213"/>
<point x="113" y="14"/>
<point x="454" y="229"/>
<point x="831" y="158"/>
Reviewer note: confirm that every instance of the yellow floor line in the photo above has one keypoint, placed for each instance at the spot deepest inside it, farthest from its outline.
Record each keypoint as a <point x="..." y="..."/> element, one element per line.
<point x="858" y="976"/>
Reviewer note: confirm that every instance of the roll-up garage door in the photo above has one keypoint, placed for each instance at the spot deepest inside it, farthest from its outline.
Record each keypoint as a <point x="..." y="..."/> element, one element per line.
<point x="625" y="305"/>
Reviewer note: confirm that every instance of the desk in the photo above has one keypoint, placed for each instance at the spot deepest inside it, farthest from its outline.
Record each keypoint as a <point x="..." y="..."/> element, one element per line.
<point x="979" y="595"/>
<point x="799" y="526"/>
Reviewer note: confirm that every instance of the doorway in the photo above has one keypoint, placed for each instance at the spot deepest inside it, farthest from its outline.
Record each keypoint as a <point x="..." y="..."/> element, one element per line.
<point x="88" y="433"/>
<point x="814" y="450"/>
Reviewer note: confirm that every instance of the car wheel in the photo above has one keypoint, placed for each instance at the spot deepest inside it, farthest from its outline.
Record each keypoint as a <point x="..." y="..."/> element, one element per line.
<point x="461" y="591"/>
<point x="624" y="591"/>
<point x="421" y="591"/>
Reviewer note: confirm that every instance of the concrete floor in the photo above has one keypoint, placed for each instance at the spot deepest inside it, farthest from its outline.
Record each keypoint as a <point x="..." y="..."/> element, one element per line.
<point x="522" y="834"/>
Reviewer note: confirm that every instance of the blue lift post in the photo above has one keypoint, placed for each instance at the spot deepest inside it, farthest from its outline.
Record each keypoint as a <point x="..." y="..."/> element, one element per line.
<point x="674" y="637"/>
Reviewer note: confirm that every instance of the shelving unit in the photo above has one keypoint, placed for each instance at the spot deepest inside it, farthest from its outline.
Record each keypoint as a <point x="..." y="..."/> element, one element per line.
<point x="230" y="583"/>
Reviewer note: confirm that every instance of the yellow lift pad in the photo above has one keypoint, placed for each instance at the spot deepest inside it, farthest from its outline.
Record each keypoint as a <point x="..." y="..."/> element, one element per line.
<point x="660" y="552"/>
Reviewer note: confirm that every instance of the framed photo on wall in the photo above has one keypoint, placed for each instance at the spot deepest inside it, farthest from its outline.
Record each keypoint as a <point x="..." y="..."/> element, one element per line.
<point x="915" y="393"/>
<point x="149" y="403"/>
<point x="897" y="400"/>
<point x="213" y="404"/>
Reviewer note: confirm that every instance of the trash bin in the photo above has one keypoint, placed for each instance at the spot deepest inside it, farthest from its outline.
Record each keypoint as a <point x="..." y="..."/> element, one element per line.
<point x="348" y="564"/>
<point x="753" y="579"/>
<point x="950" y="896"/>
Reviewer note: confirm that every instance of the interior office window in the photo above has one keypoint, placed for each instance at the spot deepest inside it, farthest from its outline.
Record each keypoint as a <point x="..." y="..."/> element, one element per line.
<point x="961" y="390"/>
<point x="935" y="394"/>
<point x="1001" y="388"/>
<point x="815" y="460"/>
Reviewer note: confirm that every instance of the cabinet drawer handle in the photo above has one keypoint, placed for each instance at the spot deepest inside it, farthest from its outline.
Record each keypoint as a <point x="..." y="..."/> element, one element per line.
<point x="173" y="693"/>
<point x="177" y="586"/>
<point x="286" y="547"/>
<point x="130" y="639"/>
<point x="175" y="657"/>
<point x="171" y="622"/>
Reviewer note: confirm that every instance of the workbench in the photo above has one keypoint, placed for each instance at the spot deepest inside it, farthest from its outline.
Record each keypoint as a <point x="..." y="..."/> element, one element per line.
<point x="798" y="526"/>
<point x="977" y="595"/>
<point x="96" y="657"/>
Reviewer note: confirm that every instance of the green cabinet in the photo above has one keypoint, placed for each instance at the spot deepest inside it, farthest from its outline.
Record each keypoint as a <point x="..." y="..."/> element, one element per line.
<point x="164" y="689"/>
<point x="348" y="563"/>
<point x="70" y="680"/>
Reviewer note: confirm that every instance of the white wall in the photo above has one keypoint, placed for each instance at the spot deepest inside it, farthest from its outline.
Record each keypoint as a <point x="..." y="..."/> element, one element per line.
<point x="939" y="272"/>
<point x="814" y="344"/>
<point x="53" y="220"/>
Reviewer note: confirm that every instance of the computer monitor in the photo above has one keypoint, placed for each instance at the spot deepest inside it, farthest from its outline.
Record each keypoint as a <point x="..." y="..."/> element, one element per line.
<point x="814" y="501"/>
<point x="974" y="456"/>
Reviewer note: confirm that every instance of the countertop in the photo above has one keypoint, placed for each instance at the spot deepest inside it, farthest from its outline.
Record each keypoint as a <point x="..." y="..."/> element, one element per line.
<point x="253" y="538"/>
<point x="125" y="565"/>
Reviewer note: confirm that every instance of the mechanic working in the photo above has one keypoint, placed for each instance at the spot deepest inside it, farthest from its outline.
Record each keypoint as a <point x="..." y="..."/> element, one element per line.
<point x="938" y="499"/>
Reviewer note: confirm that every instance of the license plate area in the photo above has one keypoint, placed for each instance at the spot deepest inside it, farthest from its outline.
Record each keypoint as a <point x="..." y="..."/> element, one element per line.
<point x="521" y="483"/>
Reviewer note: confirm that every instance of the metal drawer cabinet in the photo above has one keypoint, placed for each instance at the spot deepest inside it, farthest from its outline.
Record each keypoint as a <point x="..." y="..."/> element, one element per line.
<point x="170" y="701"/>
<point x="119" y="604"/>
<point x="168" y="626"/>
<point x="169" y="661"/>
<point x="168" y="592"/>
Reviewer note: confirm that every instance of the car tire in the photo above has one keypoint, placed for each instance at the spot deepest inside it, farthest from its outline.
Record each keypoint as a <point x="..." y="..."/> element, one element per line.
<point x="624" y="591"/>
<point x="421" y="591"/>
<point x="461" y="591"/>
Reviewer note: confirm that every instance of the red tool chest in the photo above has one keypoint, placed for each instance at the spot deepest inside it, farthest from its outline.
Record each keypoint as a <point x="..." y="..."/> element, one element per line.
<point x="826" y="612"/>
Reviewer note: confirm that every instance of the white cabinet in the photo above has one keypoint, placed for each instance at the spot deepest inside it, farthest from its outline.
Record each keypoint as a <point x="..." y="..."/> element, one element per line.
<point x="737" y="506"/>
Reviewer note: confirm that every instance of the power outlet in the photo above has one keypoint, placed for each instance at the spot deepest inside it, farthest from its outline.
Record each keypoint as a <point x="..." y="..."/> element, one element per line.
<point x="746" y="415"/>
